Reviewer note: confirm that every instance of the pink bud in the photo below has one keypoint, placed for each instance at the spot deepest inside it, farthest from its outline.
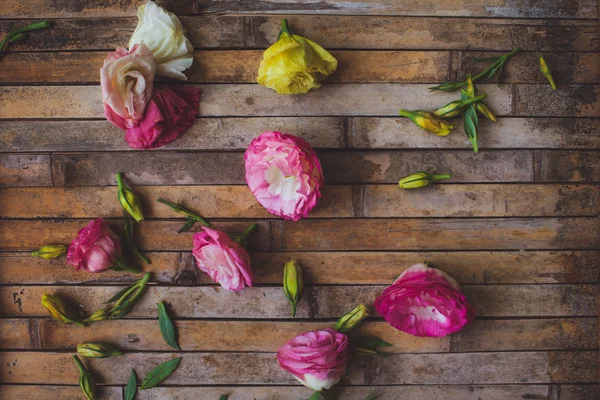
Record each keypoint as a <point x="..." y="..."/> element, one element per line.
<point x="96" y="248"/>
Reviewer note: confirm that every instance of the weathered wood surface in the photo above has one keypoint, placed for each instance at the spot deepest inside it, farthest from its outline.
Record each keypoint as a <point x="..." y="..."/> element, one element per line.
<point x="475" y="267"/>
<point x="231" y="368"/>
<point x="339" y="234"/>
<point x="464" y="8"/>
<point x="194" y="335"/>
<point x="359" y="99"/>
<point x="340" y="201"/>
<point x="542" y="300"/>
<point x="331" y="32"/>
<point x="241" y="66"/>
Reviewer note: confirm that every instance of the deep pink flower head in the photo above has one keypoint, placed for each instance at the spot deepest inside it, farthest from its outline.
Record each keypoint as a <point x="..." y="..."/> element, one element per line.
<point x="284" y="174"/>
<point x="425" y="301"/>
<point x="96" y="248"/>
<point x="170" y="112"/>
<point x="226" y="261"/>
<point x="317" y="359"/>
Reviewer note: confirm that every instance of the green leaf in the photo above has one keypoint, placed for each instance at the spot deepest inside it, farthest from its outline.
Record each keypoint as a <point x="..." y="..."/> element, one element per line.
<point x="372" y="396"/>
<point x="120" y="293"/>
<point x="223" y="397"/>
<point x="166" y="326"/>
<point x="315" y="396"/>
<point x="131" y="386"/>
<point x="187" y="226"/>
<point x="160" y="373"/>
<point x="370" y="341"/>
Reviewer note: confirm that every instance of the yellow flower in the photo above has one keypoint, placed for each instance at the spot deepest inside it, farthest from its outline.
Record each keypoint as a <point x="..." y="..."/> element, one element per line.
<point x="428" y="121"/>
<point x="294" y="64"/>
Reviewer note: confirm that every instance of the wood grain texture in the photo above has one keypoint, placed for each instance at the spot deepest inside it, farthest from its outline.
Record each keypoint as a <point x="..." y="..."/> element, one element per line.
<point x="567" y="166"/>
<point x="335" y="235"/>
<point x="337" y="201"/>
<point x="57" y="392"/>
<point x="331" y="268"/>
<point x="25" y="170"/>
<point x="231" y="368"/>
<point x="241" y="66"/>
<point x="478" y="8"/>
<point x="16" y="334"/>
<point x="321" y="132"/>
<point x="331" y="32"/>
<point x="542" y="300"/>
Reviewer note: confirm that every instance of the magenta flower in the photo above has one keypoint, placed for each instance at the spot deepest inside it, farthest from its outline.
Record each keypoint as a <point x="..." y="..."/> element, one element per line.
<point x="170" y="112"/>
<point x="96" y="248"/>
<point x="284" y="174"/>
<point x="317" y="359"/>
<point x="425" y="301"/>
<point x="225" y="260"/>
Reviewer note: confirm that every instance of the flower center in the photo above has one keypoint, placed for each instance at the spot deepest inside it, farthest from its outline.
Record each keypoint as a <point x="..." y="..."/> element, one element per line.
<point x="280" y="185"/>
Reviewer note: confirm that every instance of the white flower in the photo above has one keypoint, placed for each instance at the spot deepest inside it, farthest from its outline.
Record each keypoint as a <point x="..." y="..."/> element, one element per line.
<point x="162" y="32"/>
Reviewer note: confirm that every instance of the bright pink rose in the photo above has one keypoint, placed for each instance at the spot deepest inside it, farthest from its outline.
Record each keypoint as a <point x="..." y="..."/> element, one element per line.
<point x="424" y="301"/>
<point x="170" y="112"/>
<point x="284" y="174"/>
<point x="126" y="80"/>
<point x="317" y="359"/>
<point x="222" y="258"/>
<point x="96" y="248"/>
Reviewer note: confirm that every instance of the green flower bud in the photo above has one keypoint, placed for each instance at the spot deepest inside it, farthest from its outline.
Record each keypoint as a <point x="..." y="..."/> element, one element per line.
<point x="428" y="121"/>
<point x="352" y="319"/>
<point x="292" y="283"/>
<point x="455" y="107"/>
<point x="87" y="382"/>
<point x="100" y="315"/>
<point x="50" y="251"/>
<point x="57" y="309"/>
<point x="420" y="179"/>
<point x="545" y="70"/>
<point x="129" y="201"/>
<point x="97" y="350"/>
<point x="485" y="111"/>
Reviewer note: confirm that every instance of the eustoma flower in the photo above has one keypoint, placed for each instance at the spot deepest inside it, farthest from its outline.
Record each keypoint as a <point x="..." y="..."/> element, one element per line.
<point x="294" y="64"/>
<point x="424" y="301"/>
<point x="284" y="174"/>
<point x="96" y="248"/>
<point x="222" y="258"/>
<point x="163" y="34"/>
<point x="317" y="359"/>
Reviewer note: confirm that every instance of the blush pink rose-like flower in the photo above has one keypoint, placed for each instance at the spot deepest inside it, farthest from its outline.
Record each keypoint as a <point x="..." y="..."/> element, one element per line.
<point x="96" y="248"/>
<point x="127" y="79"/>
<point x="317" y="359"/>
<point x="222" y="258"/>
<point x="170" y="112"/>
<point x="284" y="174"/>
<point x="425" y="301"/>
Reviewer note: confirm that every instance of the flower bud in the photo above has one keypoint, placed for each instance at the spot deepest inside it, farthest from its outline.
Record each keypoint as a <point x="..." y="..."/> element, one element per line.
<point x="129" y="201"/>
<point x="292" y="283"/>
<point x="50" y="251"/>
<point x="100" y="315"/>
<point x="455" y="107"/>
<point x="87" y="382"/>
<point x="352" y="319"/>
<point x="470" y="87"/>
<point x="545" y="70"/>
<point x="97" y="350"/>
<point x="485" y="111"/>
<point x="420" y="179"/>
<point x="428" y="121"/>
<point x="57" y="309"/>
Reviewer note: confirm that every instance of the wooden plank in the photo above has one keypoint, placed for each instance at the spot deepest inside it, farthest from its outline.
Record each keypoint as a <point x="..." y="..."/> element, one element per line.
<point x="579" y="392"/>
<point x="332" y="235"/>
<point x="462" y="8"/>
<point x="481" y="335"/>
<point x="339" y="167"/>
<point x="57" y="392"/>
<point x="331" y="32"/>
<point x="243" y="336"/>
<point x="241" y="66"/>
<point x="338" y="201"/>
<point x="560" y="300"/>
<point x="360" y="99"/>
<point x="206" y="133"/>
<point x="538" y="334"/>
<point x="332" y="268"/>
<point x="567" y="166"/>
<point x="321" y="132"/>
<point x="231" y="368"/>
<point x="25" y="170"/>
<point x="16" y="334"/>
<point x="515" y="133"/>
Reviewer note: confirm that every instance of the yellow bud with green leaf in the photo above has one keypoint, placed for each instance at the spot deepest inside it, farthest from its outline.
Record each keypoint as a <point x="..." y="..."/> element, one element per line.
<point x="545" y="70"/>
<point x="57" y="308"/>
<point x="293" y="283"/>
<point x="129" y="201"/>
<point x="351" y="320"/>
<point x="485" y="111"/>
<point x="420" y="180"/>
<point x="87" y="382"/>
<point x="428" y="121"/>
<point x="50" y="251"/>
<point x="97" y="350"/>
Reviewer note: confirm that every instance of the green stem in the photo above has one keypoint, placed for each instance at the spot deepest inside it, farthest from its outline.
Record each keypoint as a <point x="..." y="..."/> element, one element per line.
<point x="473" y="99"/>
<point x="285" y="29"/>
<point x="501" y="60"/>
<point x="120" y="181"/>
<point x="440" y="177"/>
<point x="127" y="268"/>
<point x="23" y="29"/>
<point x="80" y="365"/>
<point x="293" y="309"/>
<point x="248" y="231"/>
<point x="404" y="113"/>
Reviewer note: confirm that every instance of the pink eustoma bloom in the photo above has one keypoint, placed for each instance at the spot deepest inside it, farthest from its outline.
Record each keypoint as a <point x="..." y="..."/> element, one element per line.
<point x="222" y="258"/>
<point x="425" y="301"/>
<point x="317" y="359"/>
<point x="284" y="174"/>
<point x="96" y="248"/>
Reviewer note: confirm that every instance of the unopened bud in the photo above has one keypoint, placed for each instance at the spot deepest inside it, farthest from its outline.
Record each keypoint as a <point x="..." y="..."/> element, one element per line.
<point x="428" y="121"/>
<point x="352" y="319"/>
<point x="97" y="316"/>
<point x="129" y="201"/>
<point x="455" y="107"/>
<point x="97" y="350"/>
<point x="50" y="251"/>
<point x="545" y="70"/>
<point x="420" y="179"/>
<point x="293" y="283"/>
<point x="485" y="111"/>
<point x="87" y="382"/>
<point x="57" y="308"/>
